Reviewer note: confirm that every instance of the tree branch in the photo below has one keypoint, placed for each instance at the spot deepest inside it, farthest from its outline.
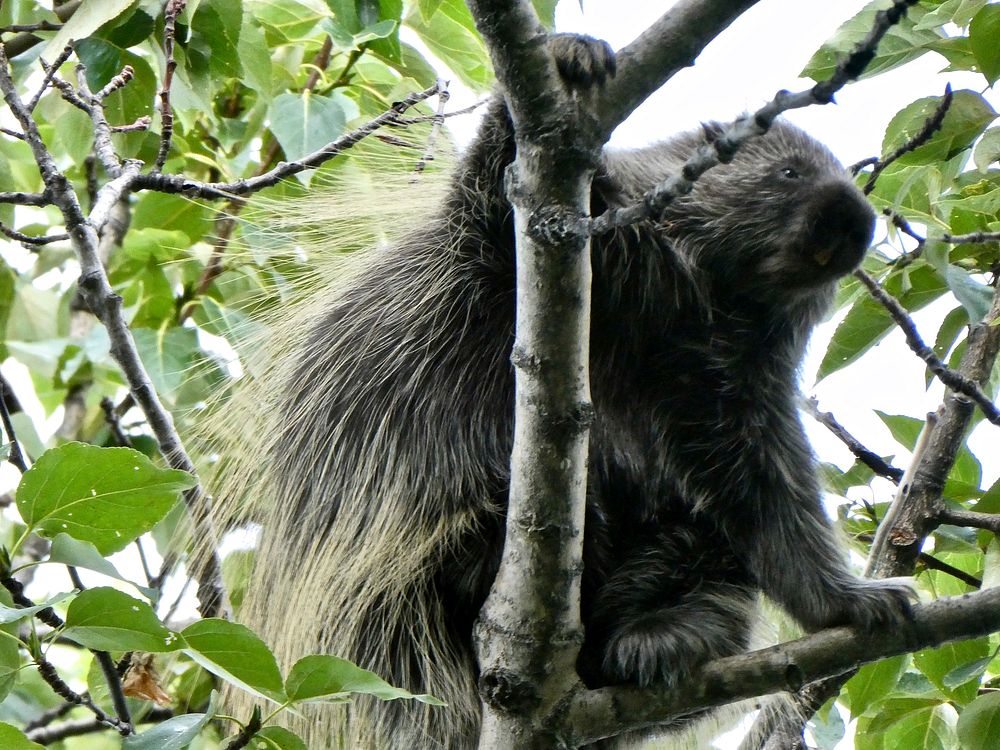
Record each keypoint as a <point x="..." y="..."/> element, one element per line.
<point x="672" y="43"/>
<point x="166" y="183"/>
<point x="954" y="380"/>
<point x="609" y="711"/>
<point x="869" y="458"/>
<point x="107" y="306"/>
<point x="529" y="631"/>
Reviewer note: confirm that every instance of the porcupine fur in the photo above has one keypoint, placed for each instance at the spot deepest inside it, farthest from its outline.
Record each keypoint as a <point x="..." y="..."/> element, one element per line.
<point x="387" y="455"/>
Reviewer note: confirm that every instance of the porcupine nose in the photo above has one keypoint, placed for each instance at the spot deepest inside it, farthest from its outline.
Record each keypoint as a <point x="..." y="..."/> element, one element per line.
<point x="843" y="228"/>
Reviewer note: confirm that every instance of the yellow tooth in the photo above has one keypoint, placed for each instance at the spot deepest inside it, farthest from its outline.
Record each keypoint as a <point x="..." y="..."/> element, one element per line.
<point x="823" y="256"/>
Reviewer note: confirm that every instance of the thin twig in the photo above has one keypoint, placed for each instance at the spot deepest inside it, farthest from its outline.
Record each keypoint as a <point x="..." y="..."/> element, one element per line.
<point x="931" y="562"/>
<point x="30" y="27"/>
<point x="233" y="190"/>
<point x="931" y="125"/>
<point x="28" y="239"/>
<point x="438" y="123"/>
<point x="27" y="199"/>
<point x="945" y="374"/>
<point x="112" y="679"/>
<point x="406" y="121"/>
<point x="64" y="691"/>
<point x="869" y="458"/>
<point x="722" y="149"/>
<point x="47" y="717"/>
<point x="114" y="422"/>
<point x="15" y="457"/>
<point x="107" y="306"/>
<point x="50" y="71"/>
<point x="971" y="238"/>
<point x="66" y="90"/>
<point x="104" y="147"/>
<point x="170" y="13"/>
<point x="139" y="125"/>
<point x="118" y="82"/>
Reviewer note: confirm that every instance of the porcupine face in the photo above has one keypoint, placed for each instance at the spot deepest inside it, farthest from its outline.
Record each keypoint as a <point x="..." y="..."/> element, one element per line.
<point x="782" y="217"/>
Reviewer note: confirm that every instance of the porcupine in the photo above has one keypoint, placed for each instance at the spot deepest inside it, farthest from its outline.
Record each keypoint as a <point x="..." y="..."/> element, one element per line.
<point x="388" y="464"/>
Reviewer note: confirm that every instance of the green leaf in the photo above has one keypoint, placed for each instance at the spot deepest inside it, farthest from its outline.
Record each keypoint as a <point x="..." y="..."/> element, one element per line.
<point x="959" y="12"/>
<point x="305" y="122"/>
<point x="984" y="38"/>
<point x="971" y="671"/>
<point x="927" y="729"/>
<point x="105" y="619"/>
<point x="546" y="10"/>
<point x="13" y="614"/>
<point x="105" y="496"/>
<point x="69" y="551"/>
<point x="287" y="20"/>
<point x="324" y="677"/>
<point x="979" y="725"/>
<point x="89" y="17"/>
<point x="987" y="151"/>
<point x="940" y="661"/>
<point x="230" y="324"/>
<point x="867" y="322"/>
<point x="255" y="57"/>
<point x="451" y="35"/>
<point x="10" y="652"/>
<point x="167" y="353"/>
<point x="904" y="42"/>
<point x="277" y="738"/>
<point x="965" y="120"/>
<point x="892" y="710"/>
<point x="171" y="213"/>
<point x="952" y="326"/>
<point x="233" y="652"/>
<point x="175" y="733"/>
<point x="216" y="35"/>
<point x="873" y="682"/>
<point x="428" y="8"/>
<point x="12" y="738"/>
<point x="976" y="298"/>
<point x="827" y="726"/>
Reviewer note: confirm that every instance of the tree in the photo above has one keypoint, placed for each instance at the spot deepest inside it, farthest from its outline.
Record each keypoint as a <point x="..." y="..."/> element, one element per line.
<point x="251" y="95"/>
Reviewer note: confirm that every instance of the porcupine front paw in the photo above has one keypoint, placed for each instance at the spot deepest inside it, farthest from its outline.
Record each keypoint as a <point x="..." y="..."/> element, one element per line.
<point x="582" y="60"/>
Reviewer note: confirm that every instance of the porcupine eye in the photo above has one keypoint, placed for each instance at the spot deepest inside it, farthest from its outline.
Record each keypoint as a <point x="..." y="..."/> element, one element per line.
<point x="790" y="173"/>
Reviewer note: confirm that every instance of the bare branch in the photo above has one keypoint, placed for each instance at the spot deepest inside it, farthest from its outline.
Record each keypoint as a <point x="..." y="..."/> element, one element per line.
<point x="27" y="199"/>
<point x="957" y="517"/>
<point x="233" y="190"/>
<point x="26" y="39"/>
<point x="28" y="239"/>
<point x="869" y="458"/>
<point x="104" y="147"/>
<point x="787" y="666"/>
<point x="931" y="125"/>
<point x="669" y="45"/>
<point x="50" y="71"/>
<point x="932" y="563"/>
<point x="949" y="377"/>
<point x="971" y="238"/>
<point x="438" y="122"/>
<point x="170" y="13"/>
<point x="119" y="81"/>
<point x="15" y="457"/>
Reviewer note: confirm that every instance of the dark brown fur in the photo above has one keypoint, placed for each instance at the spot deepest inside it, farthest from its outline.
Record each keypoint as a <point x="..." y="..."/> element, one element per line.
<point x="702" y="489"/>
